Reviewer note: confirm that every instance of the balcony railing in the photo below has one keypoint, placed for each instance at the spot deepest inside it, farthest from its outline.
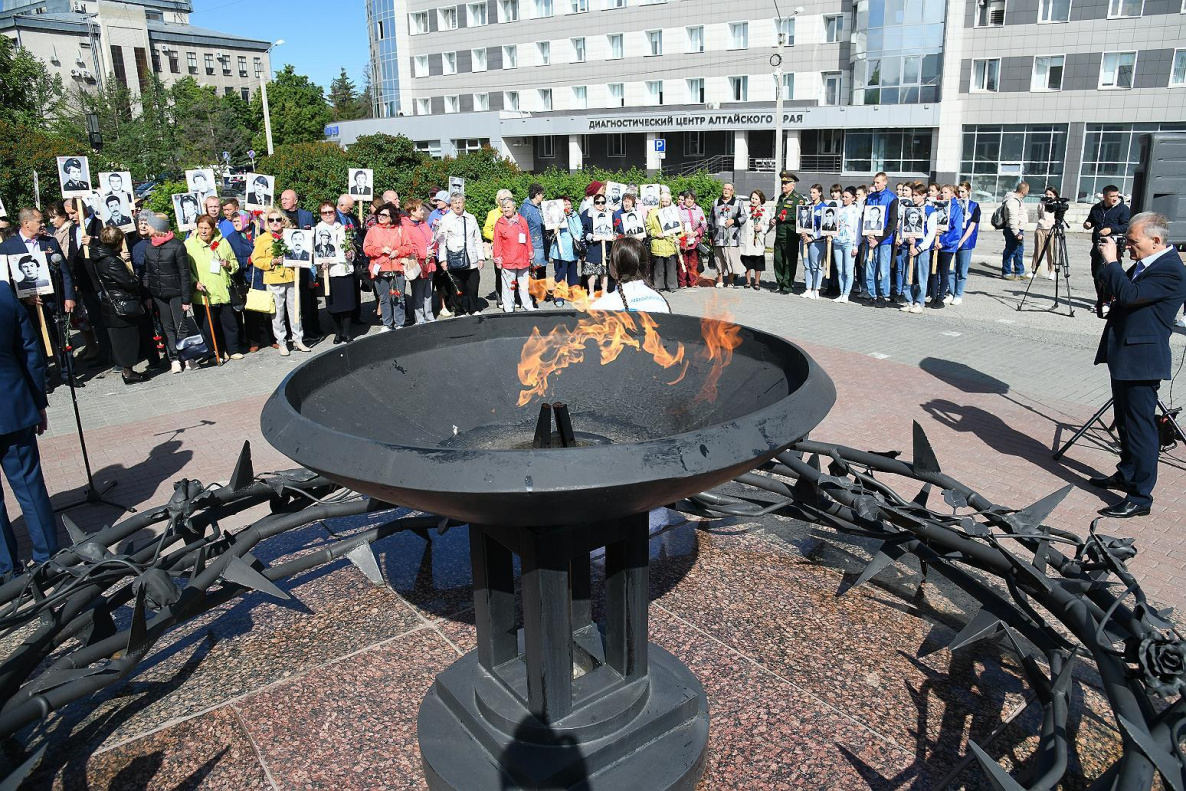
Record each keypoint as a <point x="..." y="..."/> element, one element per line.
<point x="821" y="163"/>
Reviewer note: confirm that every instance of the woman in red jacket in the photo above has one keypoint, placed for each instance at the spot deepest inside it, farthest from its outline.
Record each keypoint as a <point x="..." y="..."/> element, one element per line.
<point x="512" y="252"/>
<point x="386" y="269"/>
<point x="416" y="241"/>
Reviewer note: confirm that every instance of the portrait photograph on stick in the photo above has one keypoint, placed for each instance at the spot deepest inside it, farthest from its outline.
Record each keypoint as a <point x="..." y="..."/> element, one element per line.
<point x="297" y="241"/>
<point x="201" y="183"/>
<point x="603" y="226"/>
<point x="74" y="174"/>
<point x="829" y="223"/>
<point x="114" y="181"/>
<point x="327" y="244"/>
<point x="553" y="211"/>
<point x="362" y="183"/>
<point x="913" y="222"/>
<point x="669" y="220"/>
<point x="632" y="224"/>
<point x="115" y="209"/>
<point x="803" y="219"/>
<point x="261" y="191"/>
<point x="649" y="196"/>
<point x="873" y="223"/>
<point x="942" y="215"/>
<point x="613" y="195"/>
<point x="30" y="274"/>
<point x="186" y="209"/>
<point x="456" y="185"/>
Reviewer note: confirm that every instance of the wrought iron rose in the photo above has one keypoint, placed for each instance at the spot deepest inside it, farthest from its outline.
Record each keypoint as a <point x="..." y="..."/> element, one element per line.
<point x="1163" y="662"/>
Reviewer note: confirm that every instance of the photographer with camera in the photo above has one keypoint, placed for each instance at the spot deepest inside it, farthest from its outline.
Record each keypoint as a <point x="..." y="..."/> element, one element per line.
<point x="1051" y="210"/>
<point x="1109" y="217"/>
<point x="1135" y="346"/>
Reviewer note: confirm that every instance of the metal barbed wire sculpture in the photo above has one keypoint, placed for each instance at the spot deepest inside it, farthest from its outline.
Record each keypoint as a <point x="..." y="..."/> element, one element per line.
<point x="1006" y="559"/>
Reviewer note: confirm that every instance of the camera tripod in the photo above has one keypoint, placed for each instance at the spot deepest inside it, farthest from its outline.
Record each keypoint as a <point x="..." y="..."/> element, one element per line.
<point x="1062" y="265"/>
<point x="1166" y="414"/>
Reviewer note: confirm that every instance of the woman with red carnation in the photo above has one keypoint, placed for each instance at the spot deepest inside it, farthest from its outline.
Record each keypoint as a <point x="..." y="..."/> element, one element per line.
<point x="211" y="263"/>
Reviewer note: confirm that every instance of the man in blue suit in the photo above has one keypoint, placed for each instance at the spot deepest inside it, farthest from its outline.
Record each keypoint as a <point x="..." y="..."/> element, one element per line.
<point x="1135" y="345"/>
<point x="31" y="236"/>
<point x="22" y="373"/>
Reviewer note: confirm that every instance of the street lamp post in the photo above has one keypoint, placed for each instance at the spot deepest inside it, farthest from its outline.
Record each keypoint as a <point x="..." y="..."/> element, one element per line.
<point x="263" y="91"/>
<point x="776" y="62"/>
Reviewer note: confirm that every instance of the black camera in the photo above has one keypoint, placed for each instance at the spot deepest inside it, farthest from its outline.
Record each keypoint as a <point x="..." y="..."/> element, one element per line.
<point x="1057" y="205"/>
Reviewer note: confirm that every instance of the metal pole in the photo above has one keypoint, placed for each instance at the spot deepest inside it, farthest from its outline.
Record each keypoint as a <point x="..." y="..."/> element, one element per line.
<point x="263" y="91"/>
<point x="778" y="143"/>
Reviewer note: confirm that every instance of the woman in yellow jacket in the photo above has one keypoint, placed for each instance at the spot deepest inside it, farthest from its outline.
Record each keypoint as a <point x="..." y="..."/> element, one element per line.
<point x="211" y="264"/>
<point x="279" y="280"/>
<point x="663" y="252"/>
<point x="488" y="236"/>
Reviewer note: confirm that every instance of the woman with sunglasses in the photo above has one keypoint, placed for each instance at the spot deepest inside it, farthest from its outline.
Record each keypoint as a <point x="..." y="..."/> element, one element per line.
<point x="416" y="235"/>
<point x="279" y="279"/>
<point x="341" y="290"/>
<point x="387" y="270"/>
<point x="596" y="264"/>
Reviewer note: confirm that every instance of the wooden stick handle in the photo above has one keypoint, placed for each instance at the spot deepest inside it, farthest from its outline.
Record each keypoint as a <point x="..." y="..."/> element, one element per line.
<point x="828" y="260"/>
<point x="910" y="271"/>
<point x="210" y="326"/>
<point x="49" y="349"/>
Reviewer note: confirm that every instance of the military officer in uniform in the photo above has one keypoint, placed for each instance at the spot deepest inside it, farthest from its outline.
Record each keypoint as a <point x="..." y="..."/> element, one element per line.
<point x="786" y="240"/>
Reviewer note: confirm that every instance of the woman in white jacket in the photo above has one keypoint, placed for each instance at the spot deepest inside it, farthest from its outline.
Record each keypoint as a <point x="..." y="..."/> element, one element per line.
<point x="459" y="250"/>
<point x="753" y="239"/>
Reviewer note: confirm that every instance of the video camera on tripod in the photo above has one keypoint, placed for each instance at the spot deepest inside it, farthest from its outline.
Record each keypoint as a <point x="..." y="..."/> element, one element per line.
<point x="1058" y="207"/>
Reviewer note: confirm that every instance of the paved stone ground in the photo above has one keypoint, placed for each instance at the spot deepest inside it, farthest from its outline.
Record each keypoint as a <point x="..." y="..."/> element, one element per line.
<point x="805" y="689"/>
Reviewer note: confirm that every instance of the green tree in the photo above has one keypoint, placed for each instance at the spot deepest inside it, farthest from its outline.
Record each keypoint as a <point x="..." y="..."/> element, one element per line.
<point x="366" y="100"/>
<point x="344" y="98"/>
<point x="317" y="171"/>
<point x="394" y="159"/>
<point x="297" y="108"/>
<point x="31" y="95"/>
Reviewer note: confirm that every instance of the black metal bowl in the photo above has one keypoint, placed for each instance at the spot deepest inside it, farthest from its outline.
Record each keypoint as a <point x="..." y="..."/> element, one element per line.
<point x="427" y="417"/>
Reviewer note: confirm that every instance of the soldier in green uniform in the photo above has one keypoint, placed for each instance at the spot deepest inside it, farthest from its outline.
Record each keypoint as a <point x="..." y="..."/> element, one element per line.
<point x="786" y="240"/>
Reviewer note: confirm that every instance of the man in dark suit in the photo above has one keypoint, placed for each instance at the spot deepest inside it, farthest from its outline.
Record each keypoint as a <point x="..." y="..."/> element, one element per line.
<point x="22" y="373"/>
<point x="30" y="236"/>
<point x="1135" y="345"/>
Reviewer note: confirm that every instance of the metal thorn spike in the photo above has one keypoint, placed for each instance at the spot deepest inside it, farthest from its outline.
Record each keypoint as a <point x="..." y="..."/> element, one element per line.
<point x="983" y="624"/>
<point x="199" y="563"/>
<point x="244" y="472"/>
<point x="1000" y="779"/>
<point x="925" y="462"/>
<point x="1167" y="765"/>
<point x="18" y="775"/>
<point x="1031" y="518"/>
<point x="138" y="633"/>
<point x="878" y="564"/>
<point x="923" y="495"/>
<point x="77" y="536"/>
<point x="363" y="557"/>
<point x="240" y="572"/>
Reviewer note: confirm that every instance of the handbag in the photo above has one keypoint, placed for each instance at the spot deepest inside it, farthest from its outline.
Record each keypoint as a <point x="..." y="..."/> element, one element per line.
<point x="458" y="261"/>
<point x="237" y="292"/>
<point x="704" y="250"/>
<point x="192" y="346"/>
<point x="260" y="300"/>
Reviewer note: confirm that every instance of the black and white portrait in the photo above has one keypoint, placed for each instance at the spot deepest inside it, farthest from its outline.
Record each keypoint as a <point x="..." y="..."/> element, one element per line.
<point x="261" y="190"/>
<point x="299" y="242"/>
<point x="74" y="173"/>
<point x="553" y="211"/>
<point x="201" y="183"/>
<point x="873" y="223"/>
<point x="115" y="181"/>
<point x="829" y="223"/>
<point x="30" y="274"/>
<point x="456" y="185"/>
<point x="327" y="244"/>
<point x="942" y="215"/>
<point x="669" y="220"/>
<point x="632" y="224"/>
<point x="649" y="197"/>
<point x="803" y="220"/>
<point x="362" y="183"/>
<point x="913" y="222"/>
<point x="613" y="195"/>
<point x="115" y="209"/>
<point x="186" y="208"/>
<point x="603" y="226"/>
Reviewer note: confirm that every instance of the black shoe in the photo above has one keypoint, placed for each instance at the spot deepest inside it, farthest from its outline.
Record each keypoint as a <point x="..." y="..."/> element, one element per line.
<point x="1113" y="481"/>
<point x="337" y="339"/>
<point x="1125" y="510"/>
<point x="135" y="378"/>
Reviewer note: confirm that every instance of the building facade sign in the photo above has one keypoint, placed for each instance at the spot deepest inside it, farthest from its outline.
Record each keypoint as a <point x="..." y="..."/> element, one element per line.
<point x="693" y="122"/>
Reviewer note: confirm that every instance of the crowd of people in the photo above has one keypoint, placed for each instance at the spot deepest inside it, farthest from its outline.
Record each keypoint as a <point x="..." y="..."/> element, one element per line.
<point x="227" y="289"/>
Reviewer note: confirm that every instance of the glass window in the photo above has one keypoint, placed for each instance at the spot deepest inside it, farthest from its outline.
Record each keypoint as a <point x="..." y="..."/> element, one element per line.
<point x="654" y="92"/>
<point x="990" y="13"/>
<point x="481" y="102"/>
<point x="1116" y="69"/>
<point x="1178" y="69"/>
<point x="693" y="144"/>
<point x="420" y="66"/>
<point x="833" y="27"/>
<point x="788" y="86"/>
<point x="1123" y="8"/>
<point x="423" y="107"/>
<point x="655" y="42"/>
<point x="615" y="4"/>
<point x="447" y="18"/>
<point x="259" y="66"/>
<point x="510" y="56"/>
<point x="616" y="48"/>
<point x="1111" y="153"/>
<point x="453" y="104"/>
<point x="543" y="53"/>
<point x="430" y="147"/>
<point x="580" y="6"/>
<point x="468" y="145"/>
<point x="543" y="9"/>
<point x="578" y="50"/>
<point x="241" y="62"/>
<point x="545" y="98"/>
<point x="696" y="38"/>
<point x="784" y="29"/>
<point x="547" y="147"/>
<point x="615" y="146"/>
<point x="208" y="58"/>
<point x="994" y="158"/>
<point x="1047" y="75"/>
<point x="986" y="75"/>
<point x="893" y="152"/>
<point x="508" y="10"/>
<point x="510" y="100"/>
<point x="448" y="62"/>
<point x="1054" y="11"/>
<point x="739" y="35"/>
<point x="617" y="94"/>
<point x="477" y="59"/>
<point x="696" y="90"/>
<point x="419" y="23"/>
<point x="832" y="85"/>
<point x="475" y="14"/>
<point x="580" y="97"/>
<point x="739" y="88"/>
<point x="245" y="94"/>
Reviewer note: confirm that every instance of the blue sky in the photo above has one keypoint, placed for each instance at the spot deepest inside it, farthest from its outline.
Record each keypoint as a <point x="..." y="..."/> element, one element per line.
<point x="319" y="38"/>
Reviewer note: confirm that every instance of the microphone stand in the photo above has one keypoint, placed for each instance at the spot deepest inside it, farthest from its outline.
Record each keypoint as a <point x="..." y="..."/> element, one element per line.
<point x="92" y="494"/>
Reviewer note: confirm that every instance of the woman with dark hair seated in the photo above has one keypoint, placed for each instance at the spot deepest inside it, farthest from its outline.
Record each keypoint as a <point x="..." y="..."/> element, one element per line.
<point x="119" y="297"/>
<point x="629" y="258"/>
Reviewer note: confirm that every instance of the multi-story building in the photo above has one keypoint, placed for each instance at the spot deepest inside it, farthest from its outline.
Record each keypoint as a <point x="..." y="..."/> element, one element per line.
<point x="87" y="41"/>
<point x="381" y="27"/>
<point x="1054" y="91"/>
